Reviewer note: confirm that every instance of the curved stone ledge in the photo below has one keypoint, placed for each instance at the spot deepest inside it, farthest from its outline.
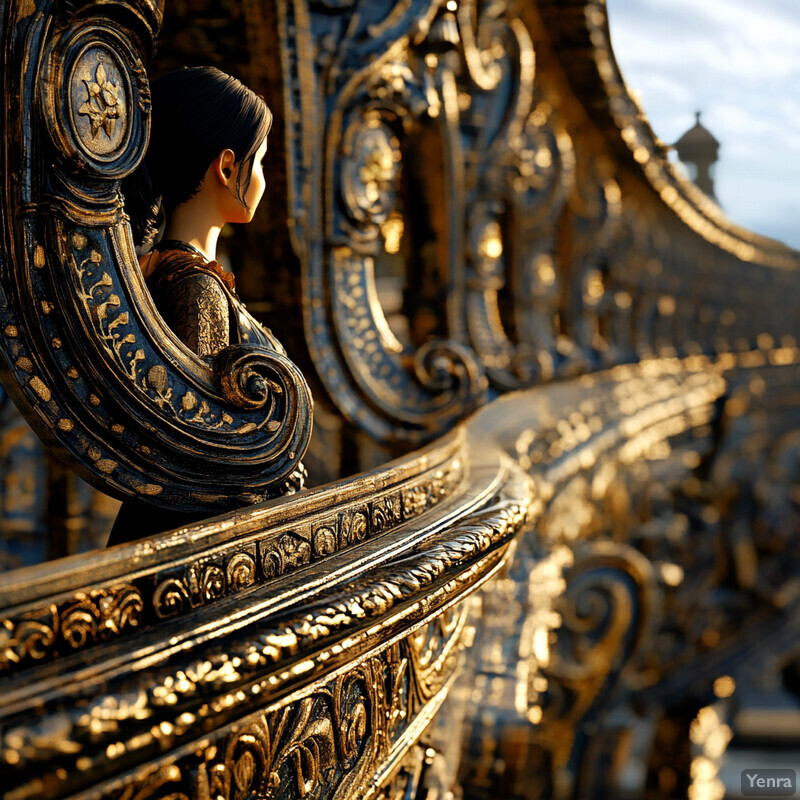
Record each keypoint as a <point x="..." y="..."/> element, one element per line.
<point x="273" y="644"/>
<point x="377" y="625"/>
<point x="65" y="606"/>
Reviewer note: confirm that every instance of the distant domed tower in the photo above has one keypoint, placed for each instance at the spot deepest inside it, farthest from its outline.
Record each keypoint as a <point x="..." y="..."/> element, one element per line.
<point x="699" y="150"/>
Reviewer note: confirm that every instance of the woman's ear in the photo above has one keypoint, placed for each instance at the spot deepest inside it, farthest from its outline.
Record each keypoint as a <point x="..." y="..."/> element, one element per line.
<point x="223" y="166"/>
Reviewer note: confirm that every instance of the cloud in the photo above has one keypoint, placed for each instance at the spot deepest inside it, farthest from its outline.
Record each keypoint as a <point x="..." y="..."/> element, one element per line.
<point x="739" y="62"/>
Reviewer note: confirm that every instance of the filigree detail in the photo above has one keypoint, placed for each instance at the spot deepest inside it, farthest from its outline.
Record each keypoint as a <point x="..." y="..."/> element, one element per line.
<point x="101" y="300"/>
<point x="99" y="615"/>
<point x="88" y="617"/>
<point x="201" y="584"/>
<point x="241" y="572"/>
<point x="391" y="586"/>
<point x="290" y="552"/>
<point x="324" y="744"/>
<point x="230" y="678"/>
<point x="363" y="130"/>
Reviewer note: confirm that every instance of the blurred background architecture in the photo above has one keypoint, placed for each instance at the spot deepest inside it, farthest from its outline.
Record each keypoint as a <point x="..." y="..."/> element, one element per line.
<point x="698" y="149"/>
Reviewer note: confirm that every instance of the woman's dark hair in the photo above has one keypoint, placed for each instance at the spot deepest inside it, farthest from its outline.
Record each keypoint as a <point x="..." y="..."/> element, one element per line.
<point x="196" y="114"/>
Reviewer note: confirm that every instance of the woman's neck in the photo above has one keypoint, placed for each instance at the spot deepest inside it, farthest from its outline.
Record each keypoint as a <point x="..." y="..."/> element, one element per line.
<point x="196" y="225"/>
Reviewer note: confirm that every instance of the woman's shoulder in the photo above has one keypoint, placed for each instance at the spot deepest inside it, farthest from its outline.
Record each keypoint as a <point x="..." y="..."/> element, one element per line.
<point x="170" y="267"/>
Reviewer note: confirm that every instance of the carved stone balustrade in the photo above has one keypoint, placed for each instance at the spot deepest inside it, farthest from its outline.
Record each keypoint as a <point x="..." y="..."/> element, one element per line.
<point x="302" y="647"/>
<point x="303" y="643"/>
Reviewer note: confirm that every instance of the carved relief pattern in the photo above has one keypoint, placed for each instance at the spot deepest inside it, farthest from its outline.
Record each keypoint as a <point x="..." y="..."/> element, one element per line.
<point x="317" y="675"/>
<point x="101" y="301"/>
<point x="546" y="177"/>
<point x="579" y="603"/>
<point x="594" y="213"/>
<point x="607" y="608"/>
<point x="84" y="619"/>
<point x="517" y="171"/>
<point x="169" y="593"/>
<point x="323" y="745"/>
<point x="395" y="391"/>
<point x="228" y="680"/>
<point x="102" y="104"/>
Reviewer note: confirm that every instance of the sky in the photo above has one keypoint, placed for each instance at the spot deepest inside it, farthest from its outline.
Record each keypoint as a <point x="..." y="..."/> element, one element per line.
<point x="737" y="61"/>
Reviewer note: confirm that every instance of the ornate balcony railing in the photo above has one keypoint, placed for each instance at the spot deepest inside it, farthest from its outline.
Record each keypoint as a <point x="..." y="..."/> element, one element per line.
<point x="589" y="390"/>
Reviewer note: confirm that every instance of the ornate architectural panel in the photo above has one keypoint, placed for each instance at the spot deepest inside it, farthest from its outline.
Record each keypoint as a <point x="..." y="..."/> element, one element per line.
<point x="594" y="211"/>
<point x="345" y="738"/>
<point x="513" y="163"/>
<point x="347" y="156"/>
<point x="92" y="366"/>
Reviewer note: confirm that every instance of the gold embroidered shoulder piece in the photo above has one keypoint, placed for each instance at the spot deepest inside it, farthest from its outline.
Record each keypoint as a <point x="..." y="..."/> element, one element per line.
<point x="188" y="292"/>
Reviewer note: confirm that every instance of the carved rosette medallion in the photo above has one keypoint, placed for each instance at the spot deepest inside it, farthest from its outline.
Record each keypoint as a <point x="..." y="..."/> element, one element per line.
<point x="96" y="100"/>
<point x="370" y="169"/>
<point x="99" y="96"/>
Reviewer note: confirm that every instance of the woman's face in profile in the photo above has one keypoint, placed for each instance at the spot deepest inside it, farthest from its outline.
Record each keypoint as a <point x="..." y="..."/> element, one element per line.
<point x="255" y="190"/>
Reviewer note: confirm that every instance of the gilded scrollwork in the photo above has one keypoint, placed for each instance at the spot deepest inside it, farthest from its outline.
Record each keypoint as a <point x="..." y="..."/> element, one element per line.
<point x="327" y="744"/>
<point x="238" y="368"/>
<point x="514" y="165"/>
<point x="234" y="677"/>
<point x="395" y="391"/>
<point x="168" y="593"/>
<point x="605" y="613"/>
<point x="202" y="584"/>
<point x="30" y="638"/>
<point x="86" y="618"/>
<point x="497" y="76"/>
<point x="240" y="571"/>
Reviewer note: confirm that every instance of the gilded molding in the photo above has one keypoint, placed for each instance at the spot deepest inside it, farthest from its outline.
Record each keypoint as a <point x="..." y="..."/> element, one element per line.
<point x="85" y="619"/>
<point x="330" y="742"/>
<point x="167" y="592"/>
<point x="300" y="642"/>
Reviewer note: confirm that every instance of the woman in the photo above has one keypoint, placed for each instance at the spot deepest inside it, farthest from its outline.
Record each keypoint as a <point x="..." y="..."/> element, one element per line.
<point x="203" y="165"/>
<point x="203" y="169"/>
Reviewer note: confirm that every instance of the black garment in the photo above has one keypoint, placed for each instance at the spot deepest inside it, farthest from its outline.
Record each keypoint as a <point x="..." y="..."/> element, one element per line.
<point x="138" y="520"/>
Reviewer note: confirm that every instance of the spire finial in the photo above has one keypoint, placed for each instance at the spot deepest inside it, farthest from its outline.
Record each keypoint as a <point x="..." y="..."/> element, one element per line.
<point x="697" y="116"/>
